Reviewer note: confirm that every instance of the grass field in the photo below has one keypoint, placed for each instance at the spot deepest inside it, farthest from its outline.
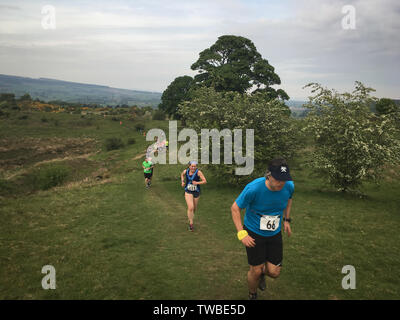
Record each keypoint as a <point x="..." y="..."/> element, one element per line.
<point x="110" y="238"/>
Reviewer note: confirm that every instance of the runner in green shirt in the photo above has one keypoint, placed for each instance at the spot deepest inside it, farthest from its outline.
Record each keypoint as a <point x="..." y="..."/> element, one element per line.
<point x="147" y="166"/>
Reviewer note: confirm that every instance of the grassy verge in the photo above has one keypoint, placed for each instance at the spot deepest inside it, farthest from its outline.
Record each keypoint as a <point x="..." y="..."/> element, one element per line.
<point x="113" y="239"/>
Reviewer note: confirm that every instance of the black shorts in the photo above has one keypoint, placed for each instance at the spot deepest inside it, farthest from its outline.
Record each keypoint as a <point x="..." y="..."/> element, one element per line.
<point x="267" y="249"/>
<point x="148" y="175"/>
<point x="195" y="194"/>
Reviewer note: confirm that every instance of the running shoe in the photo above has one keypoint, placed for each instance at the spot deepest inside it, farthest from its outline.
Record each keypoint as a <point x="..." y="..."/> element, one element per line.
<point x="252" y="296"/>
<point x="190" y="227"/>
<point x="262" y="285"/>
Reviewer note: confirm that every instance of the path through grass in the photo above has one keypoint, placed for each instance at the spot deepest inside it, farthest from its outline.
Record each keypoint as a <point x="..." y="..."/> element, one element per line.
<point x="113" y="239"/>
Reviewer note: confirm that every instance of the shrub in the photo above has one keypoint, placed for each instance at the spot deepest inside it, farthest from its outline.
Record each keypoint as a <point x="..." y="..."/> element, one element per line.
<point x="139" y="126"/>
<point x="6" y="188"/>
<point x="113" y="144"/>
<point x="352" y="144"/>
<point x="274" y="132"/>
<point x="159" y="115"/>
<point x="50" y="176"/>
<point x="4" y="114"/>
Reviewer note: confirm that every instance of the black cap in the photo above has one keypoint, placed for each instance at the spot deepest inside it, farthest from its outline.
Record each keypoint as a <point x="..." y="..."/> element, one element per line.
<point x="280" y="172"/>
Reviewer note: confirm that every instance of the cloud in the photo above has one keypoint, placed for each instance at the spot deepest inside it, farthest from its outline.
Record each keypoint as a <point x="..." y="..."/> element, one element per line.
<point x="156" y="41"/>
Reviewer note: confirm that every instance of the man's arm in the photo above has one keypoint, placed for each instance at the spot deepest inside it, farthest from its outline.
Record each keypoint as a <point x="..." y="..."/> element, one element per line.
<point x="286" y="214"/>
<point x="237" y="220"/>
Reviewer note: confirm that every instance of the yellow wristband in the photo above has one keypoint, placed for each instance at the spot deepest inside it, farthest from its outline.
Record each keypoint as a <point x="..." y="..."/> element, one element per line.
<point x="242" y="234"/>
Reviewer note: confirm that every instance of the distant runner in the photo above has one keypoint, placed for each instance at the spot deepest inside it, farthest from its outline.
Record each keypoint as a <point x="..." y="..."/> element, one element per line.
<point x="267" y="201"/>
<point x="191" y="179"/>
<point x="147" y="166"/>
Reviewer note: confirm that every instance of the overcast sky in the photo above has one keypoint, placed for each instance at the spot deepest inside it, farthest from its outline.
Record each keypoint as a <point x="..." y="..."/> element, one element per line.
<point x="146" y="44"/>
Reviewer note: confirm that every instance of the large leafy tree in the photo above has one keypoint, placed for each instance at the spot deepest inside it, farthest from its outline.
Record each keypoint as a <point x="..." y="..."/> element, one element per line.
<point x="234" y="64"/>
<point x="175" y="93"/>
<point x="352" y="144"/>
<point x="386" y="106"/>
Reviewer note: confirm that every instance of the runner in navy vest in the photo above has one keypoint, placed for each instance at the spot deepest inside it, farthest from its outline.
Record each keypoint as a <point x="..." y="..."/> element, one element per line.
<point x="268" y="201"/>
<point x="191" y="179"/>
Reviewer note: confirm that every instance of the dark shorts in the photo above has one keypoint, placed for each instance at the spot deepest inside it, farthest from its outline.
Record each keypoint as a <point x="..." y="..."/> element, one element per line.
<point x="148" y="175"/>
<point x="195" y="194"/>
<point x="267" y="249"/>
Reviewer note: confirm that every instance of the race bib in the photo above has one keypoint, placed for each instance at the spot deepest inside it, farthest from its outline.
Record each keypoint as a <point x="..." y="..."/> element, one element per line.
<point x="270" y="223"/>
<point x="191" y="187"/>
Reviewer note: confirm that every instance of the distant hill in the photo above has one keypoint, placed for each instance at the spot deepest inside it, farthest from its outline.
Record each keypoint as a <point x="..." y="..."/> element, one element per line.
<point x="296" y="107"/>
<point x="51" y="89"/>
<point x="295" y="104"/>
<point x="298" y="110"/>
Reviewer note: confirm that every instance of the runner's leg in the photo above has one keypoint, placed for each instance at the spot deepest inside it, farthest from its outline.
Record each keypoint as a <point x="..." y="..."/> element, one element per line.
<point x="253" y="277"/>
<point x="273" y="271"/>
<point x="190" y="206"/>
<point x="274" y="256"/>
<point x="195" y="203"/>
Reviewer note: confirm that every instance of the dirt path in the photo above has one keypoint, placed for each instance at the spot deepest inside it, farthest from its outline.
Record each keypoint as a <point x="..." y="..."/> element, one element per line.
<point x="139" y="156"/>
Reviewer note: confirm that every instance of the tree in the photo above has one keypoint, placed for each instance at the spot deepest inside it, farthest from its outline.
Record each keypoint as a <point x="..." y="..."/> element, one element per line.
<point x="7" y="97"/>
<point x="274" y="133"/>
<point x="159" y="115"/>
<point x="25" y="97"/>
<point x="234" y="64"/>
<point x="8" y="101"/>
<point x="175" y="93"/>
<point x="352" y="144"/>
<point x="386" y="106"/>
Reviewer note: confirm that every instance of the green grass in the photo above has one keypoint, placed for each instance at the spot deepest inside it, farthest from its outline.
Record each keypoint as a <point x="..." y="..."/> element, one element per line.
<point x="113" y="239"/>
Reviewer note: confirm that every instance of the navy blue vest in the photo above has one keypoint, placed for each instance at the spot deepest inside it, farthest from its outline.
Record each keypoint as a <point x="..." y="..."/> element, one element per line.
<point x="189" y="179"/>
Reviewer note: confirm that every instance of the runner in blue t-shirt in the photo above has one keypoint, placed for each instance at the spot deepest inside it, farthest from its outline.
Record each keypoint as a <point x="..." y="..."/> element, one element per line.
<point x="267" y="201"/>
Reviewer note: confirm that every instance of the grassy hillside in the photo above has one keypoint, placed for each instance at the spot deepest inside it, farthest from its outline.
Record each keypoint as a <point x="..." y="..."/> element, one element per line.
<point x="50" y="90"/>
<point x="110" y="238"/>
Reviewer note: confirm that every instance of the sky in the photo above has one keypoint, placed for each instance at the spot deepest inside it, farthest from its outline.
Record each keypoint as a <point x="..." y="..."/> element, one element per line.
<point x="145" y="45"/>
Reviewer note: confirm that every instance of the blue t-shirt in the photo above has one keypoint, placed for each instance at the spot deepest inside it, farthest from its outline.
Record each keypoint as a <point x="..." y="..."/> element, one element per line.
<point x="259" y="200"/>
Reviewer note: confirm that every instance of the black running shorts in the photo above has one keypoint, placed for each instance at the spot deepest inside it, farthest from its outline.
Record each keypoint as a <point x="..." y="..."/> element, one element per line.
<point x="266" y="249"/>
<point x="148" y="175"/>
<point x="195" y="194"/>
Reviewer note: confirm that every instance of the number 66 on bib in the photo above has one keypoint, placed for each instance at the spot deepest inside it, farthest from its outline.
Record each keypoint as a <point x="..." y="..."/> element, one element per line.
<point x="270" y="223"/>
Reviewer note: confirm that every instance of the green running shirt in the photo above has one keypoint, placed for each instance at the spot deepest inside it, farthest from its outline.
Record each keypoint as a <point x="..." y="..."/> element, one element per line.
<point x="147" y="165"/>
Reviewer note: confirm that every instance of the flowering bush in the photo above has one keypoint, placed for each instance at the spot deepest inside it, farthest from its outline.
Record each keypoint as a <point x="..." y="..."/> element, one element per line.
<point x="352" y="143"/>
<point x="274" y="133"/>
